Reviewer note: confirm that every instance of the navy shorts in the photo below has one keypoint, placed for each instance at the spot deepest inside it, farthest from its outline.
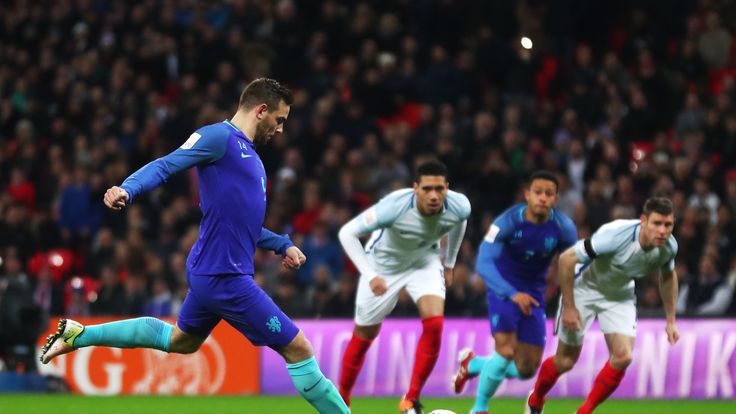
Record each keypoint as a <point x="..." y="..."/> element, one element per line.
<point x="505" y="316"/>
<point x="242" y="303"/>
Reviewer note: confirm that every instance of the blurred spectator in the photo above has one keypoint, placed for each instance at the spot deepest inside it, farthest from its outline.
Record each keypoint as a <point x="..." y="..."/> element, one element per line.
<point x="321" y="249"/>
<point x="110" y="299"/>
<point x="160" y="304"/>
<point x="708" y="293"/>
<point x="79" y="214"/>
<point x="715" y="42"/>
<point x="20" y="317"/>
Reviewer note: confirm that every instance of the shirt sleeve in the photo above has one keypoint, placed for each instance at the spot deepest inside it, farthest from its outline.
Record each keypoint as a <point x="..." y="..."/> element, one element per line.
<point x="380" y="215"/>
<point x="454" y="240"/>
<point x="569" y="234"/>
<point x="605" y="241"/>
<point x="201" y="148"/>
<point x="490" y="250"/>
<point x="271" y="241"/>
<point x="385" y="212"/>
<point x="669" y="265"/>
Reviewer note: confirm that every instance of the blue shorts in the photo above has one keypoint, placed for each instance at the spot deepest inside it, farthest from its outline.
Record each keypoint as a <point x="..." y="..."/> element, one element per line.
<point x="242" y="303"/>
<point x="506" y="316"/>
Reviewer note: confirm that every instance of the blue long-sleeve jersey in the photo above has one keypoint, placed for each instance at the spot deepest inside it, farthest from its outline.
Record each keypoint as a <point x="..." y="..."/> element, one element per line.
<point x="232" y="186"/>
<point x="516" y="253"/>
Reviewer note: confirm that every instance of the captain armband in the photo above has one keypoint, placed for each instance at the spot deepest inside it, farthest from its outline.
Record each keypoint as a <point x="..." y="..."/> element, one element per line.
<point x="588" y="246"/>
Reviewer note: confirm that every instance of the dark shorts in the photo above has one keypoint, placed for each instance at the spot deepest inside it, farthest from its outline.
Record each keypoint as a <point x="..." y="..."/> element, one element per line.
<point x="505" y="316"/>
<point x="242" y="303"/>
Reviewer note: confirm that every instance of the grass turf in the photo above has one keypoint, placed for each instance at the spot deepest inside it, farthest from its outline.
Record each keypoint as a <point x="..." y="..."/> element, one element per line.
<point x="72" y="404"/>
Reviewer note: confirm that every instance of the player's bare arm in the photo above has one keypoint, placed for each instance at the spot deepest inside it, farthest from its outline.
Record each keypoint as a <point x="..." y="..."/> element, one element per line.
<point x="566" y="277"/>
<point x="115" y="198"/>
<point x="668" y="290"/>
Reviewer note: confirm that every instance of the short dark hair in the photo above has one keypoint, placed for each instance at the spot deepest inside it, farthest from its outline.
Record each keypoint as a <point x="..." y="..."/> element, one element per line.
<point x="431" y="167"/>
<point x="265" y="90"/>
<point x="659" y="205"/>
<point x="544" y="175"/>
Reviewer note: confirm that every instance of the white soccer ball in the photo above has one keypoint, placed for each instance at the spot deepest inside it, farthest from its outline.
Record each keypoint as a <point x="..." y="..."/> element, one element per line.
<point x="442" y="412"/>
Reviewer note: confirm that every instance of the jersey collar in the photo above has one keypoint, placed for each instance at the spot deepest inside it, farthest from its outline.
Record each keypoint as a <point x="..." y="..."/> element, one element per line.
<point x="238" y="131"/>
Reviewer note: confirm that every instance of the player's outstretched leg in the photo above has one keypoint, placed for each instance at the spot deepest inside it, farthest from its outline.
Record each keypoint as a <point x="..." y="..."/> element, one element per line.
<point x="144" y="332"/>
<point x="491" y="376"/>
<point x="309" y="381"/>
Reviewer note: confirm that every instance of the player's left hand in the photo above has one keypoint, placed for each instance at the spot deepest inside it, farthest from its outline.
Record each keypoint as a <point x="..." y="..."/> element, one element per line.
<point x="449" y="277"/>
<point x="294" y="258"/>
<point x="673" y="334"/>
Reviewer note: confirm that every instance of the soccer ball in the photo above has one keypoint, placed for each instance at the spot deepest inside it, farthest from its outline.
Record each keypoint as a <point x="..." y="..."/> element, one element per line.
<point x="442" y="412"/>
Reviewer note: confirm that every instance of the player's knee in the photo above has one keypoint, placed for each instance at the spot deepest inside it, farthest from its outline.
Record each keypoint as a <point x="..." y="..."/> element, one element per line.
<point x="622" y="360"/>
<point x="564" y="363"/>
<point x="506" y="352"/>
<point x="298" y="350"/>
<point x="367" y="332"/>
<point x="526" y="369"/>
<point x="184" y="347"/>
<point x="183" y="343"/>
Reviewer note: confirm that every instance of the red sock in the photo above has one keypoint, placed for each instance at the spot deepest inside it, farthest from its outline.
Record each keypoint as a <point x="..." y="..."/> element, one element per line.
<point x="428" y="349"/>
<point x="352" y="361"/>
<point x="605" y="384"/>
<point x="546" y="379"/>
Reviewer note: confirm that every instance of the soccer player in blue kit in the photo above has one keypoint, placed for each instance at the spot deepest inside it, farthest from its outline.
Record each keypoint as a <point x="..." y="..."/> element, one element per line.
<point x="513" y="260"/>
<point x="232" y="183"/>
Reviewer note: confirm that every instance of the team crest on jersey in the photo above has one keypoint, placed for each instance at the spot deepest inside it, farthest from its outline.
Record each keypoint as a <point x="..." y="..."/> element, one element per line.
<point x="273" y="324"/>
<point x="550" y="243"/>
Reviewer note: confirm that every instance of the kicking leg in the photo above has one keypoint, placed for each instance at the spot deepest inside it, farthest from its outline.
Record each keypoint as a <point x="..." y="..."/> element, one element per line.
<point x="352" y="360"/>
<point x="309" y="381"/>
<point x="143" y="332"/>
<point x="621" y="348"/>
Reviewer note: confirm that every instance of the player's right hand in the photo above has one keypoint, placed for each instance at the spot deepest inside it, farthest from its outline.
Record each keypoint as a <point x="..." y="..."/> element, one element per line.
<point x="378" y="286"/>
<point x="115" y="198"/>
<point x="571" y="318"/>
<point x="525" y="302"/>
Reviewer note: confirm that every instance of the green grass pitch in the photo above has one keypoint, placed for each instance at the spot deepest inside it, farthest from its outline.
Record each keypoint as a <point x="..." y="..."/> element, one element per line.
<point x="72" y="404"/>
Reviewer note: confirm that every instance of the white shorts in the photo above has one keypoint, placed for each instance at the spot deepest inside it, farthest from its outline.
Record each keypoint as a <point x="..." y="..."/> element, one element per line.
<point x="372" y="310"/>
<point x="614" y="316"/>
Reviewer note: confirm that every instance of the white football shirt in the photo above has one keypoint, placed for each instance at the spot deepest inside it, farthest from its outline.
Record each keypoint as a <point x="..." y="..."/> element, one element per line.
<point x="403" y="238"/>
<point x="619" y="258"/>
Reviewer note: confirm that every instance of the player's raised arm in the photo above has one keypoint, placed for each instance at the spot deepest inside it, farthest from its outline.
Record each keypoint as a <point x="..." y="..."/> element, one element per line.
<point x="202" y="147"/>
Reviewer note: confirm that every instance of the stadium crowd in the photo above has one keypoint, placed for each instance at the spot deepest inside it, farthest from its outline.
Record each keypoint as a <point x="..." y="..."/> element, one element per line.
<point x="621" y="104"/>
